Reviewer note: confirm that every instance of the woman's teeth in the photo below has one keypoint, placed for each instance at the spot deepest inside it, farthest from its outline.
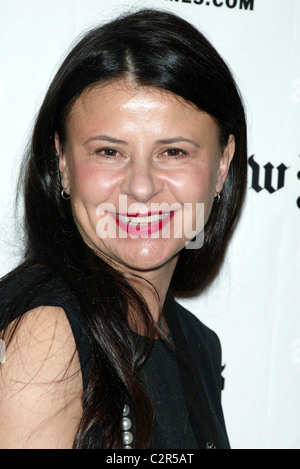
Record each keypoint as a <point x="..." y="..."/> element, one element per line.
<point x="143" y="220"/>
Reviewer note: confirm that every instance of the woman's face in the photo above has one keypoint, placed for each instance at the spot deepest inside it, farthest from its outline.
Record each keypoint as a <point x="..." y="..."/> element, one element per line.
<point x="140" y="164"/>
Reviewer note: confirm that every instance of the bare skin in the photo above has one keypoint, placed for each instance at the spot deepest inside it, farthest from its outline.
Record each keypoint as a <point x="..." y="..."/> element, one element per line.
<point x="41" y="384"/>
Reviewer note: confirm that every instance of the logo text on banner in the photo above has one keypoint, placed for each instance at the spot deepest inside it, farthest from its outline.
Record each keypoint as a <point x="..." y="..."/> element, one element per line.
<point x="241" y="4"/>
<point x="269" y="176"/>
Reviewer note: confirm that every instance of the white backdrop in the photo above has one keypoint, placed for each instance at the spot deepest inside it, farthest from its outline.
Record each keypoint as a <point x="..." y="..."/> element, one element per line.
<point x="254" y="304"/>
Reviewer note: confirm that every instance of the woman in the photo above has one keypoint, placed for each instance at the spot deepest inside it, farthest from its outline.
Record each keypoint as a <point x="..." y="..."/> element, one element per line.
<point x="143" y="113"/>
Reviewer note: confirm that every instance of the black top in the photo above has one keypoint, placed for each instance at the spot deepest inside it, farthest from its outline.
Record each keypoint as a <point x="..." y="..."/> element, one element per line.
<point x="185" y="386"/>
<point x="172" y="429"/>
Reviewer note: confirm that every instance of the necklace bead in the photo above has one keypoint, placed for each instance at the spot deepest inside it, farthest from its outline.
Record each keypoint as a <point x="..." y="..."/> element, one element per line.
<point x="127" y="438"/>
<point x="126" y="423"/>
<point x="126" y="410"/>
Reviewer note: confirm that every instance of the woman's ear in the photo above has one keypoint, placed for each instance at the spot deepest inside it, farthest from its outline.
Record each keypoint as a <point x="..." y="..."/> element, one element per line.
<point x="225" y="161"/>
<point x="62" y="164"/>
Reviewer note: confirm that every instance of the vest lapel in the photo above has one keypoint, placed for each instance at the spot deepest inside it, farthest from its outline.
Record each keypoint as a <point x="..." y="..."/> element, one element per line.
<point x="192" y="379"/>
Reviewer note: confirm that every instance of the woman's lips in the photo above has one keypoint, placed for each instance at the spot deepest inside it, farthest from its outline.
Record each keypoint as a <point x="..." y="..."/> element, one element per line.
<point x="143" y="224"/>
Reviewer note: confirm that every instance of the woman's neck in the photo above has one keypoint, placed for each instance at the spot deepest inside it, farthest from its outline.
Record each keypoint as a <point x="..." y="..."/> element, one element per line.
<point x="153" y="285"/>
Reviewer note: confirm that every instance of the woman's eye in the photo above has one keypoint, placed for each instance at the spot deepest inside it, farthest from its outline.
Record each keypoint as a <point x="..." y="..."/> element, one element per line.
<point x="175" y="153"/>
<point x="107" y="152"/>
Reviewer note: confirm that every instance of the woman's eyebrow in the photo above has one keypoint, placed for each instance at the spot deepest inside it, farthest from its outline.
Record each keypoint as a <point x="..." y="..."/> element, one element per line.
<point x="165" y="141"/>
<point x="177" y="140"/>
<point x="107" y="138"/>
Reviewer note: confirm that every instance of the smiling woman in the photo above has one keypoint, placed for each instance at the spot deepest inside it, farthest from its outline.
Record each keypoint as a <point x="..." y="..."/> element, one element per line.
<point x="139" y="147"/>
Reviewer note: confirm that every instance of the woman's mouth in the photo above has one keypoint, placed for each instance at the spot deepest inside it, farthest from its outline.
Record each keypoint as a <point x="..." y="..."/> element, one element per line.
<point x="143" y="224"/>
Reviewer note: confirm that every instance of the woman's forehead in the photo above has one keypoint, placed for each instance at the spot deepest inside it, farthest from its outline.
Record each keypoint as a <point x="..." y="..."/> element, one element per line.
<point x="127" y="93"/>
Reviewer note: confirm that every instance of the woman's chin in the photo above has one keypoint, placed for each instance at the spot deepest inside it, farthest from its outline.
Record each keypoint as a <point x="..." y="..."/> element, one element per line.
<point x="145" y="258"/>
<point x="145" y="262"/>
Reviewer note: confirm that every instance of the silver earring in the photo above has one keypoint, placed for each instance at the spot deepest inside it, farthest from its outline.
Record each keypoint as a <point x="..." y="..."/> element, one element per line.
<point x="217" y="198"/>
<point x="64" y="195"/>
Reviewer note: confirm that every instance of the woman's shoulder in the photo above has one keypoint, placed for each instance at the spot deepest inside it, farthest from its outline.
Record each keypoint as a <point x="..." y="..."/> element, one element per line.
<point x="41" y="384"/>
<point x="38" y="294"/>
<point x="204" y="343"/>
<point x="193" y="326"/>
<point x="39" y="291"/>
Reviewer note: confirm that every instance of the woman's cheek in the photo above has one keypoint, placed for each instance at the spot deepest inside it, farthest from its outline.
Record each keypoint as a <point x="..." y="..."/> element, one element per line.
<point x="87" y="184"/>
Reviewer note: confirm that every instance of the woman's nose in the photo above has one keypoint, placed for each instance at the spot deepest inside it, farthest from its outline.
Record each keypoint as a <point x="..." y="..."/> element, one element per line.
<point x="141" y="182"/>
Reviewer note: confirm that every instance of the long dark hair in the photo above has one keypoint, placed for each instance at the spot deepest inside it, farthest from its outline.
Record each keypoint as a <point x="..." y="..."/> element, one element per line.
<point x="152" y="48"/>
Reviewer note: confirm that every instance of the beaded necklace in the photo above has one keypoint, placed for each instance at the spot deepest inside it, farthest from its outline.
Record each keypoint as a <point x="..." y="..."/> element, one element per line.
<point x="126" y="426"/>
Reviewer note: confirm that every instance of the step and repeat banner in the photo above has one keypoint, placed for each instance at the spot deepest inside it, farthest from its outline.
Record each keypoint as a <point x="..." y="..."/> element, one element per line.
<point x="254" y="305"/>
